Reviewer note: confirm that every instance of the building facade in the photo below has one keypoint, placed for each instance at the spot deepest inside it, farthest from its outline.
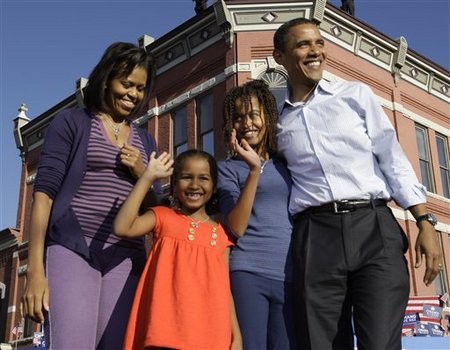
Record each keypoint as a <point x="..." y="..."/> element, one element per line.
<point x="225" y="45"/>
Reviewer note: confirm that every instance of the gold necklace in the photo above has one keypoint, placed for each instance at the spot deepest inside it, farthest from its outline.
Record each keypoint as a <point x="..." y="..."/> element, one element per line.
<point x="115" y="127"/>
<point x="193" y="225"/>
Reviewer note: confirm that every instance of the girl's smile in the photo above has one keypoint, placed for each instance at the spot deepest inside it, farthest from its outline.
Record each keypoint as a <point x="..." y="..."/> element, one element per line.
<point x="194" y="186"/>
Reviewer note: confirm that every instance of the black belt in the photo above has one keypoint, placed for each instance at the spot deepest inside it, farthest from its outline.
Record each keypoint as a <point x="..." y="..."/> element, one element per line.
<point x="345" y="206"/>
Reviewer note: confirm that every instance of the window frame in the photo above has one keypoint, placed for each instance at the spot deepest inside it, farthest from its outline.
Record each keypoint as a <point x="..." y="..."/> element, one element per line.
<point x="203" y="133"/>
<point x="181" y="145"/>
<point x="425" y="163"/>
<point x="277" y="81"/>
<point x="444" y="167"/>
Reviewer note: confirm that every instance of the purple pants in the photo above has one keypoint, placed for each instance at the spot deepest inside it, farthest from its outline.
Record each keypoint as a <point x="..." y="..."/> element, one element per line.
<point x="90" y="301"/>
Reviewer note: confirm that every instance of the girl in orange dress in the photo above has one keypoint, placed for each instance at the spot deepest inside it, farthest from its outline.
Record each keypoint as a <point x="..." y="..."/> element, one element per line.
<point x="183" y="300"/>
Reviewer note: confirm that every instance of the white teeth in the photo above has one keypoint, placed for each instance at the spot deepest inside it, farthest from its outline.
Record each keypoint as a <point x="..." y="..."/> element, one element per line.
<point x="315" y="64"/>
<point x="128" y="103"/>
<point x="193" y="195"/>
<point x="249" y="133"/>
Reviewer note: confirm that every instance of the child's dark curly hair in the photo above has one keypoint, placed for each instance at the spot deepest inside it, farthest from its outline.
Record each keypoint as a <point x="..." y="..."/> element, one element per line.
<point x="267" y="101"/>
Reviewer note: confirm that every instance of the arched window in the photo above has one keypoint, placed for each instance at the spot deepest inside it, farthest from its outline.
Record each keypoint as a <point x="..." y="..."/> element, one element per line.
<point x="277" y="82"/>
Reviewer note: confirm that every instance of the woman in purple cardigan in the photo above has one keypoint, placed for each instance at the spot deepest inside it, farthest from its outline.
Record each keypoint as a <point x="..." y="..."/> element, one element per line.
<point x="81" y="277"/>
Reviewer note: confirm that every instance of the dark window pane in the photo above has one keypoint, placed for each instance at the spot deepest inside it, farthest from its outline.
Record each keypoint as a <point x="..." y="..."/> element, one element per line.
<point x="208" y="142"/>
<point x="421" y="143"/>
<point x="442" y="154"/>
<point x="206" y="113"/>
<point x="442" y="148"/>
<point x="180" y="126"/>
<point x="280" y="95"/>
<point x="181" y="148"/>
<point x="445" y="182"/>
<point x="425" y="175"/>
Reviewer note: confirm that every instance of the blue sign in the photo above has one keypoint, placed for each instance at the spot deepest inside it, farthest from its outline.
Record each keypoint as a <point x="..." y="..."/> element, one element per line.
<point x="432" y="311"/>
<point x="435" y="330"/>
<point x="421" y="329"/>
<point x="411" y="319"/>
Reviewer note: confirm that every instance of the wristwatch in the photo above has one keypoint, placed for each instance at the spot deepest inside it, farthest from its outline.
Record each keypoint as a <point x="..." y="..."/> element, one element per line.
<point x="428" y="217"/>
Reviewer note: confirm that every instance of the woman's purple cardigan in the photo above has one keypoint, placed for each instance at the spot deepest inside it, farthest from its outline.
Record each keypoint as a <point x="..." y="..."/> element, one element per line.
<point x="61" y="169"/>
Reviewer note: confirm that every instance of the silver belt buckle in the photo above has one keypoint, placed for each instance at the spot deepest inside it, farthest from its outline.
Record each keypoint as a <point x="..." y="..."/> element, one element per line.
<point x="336" y="207"/>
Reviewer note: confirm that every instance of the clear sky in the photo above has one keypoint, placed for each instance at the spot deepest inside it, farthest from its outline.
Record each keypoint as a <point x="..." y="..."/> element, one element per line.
<point x="47" y="45"/>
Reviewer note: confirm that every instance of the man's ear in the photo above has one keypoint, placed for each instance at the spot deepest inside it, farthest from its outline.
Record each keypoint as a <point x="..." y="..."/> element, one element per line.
<point x="278" y="56"/>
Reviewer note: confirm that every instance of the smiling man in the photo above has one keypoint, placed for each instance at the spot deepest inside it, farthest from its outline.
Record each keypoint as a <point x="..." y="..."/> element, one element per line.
<point x="346" y="164"/>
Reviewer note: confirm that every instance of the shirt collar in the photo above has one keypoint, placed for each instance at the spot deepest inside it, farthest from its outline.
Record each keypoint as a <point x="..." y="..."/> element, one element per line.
<point x="322" y="87"/>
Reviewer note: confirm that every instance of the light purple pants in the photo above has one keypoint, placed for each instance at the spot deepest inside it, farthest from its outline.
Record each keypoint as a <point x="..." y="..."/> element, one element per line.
<point x="90" y="301"/>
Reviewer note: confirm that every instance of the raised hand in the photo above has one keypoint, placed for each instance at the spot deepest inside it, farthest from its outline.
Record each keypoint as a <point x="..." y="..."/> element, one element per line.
<point x="245" y="152"/>
<point x="159" y="167"/>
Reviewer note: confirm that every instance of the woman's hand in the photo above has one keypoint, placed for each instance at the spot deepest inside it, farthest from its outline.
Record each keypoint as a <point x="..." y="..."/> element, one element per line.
<point x="131" y="157"/>
<point x="36" y="297"/>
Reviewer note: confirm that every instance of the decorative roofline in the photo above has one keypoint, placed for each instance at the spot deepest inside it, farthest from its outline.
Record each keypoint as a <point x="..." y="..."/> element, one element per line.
<point x="349" y="33"/>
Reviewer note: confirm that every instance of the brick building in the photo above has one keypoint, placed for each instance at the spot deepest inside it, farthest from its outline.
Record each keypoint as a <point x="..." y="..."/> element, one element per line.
<point x="227" y="44"/>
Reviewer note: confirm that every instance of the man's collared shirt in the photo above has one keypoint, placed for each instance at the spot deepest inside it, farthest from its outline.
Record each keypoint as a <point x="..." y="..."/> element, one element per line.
<point x="341" y="145"/>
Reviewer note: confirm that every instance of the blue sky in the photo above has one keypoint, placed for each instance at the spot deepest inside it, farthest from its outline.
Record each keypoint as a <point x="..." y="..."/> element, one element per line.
<point x="47" y="45"/>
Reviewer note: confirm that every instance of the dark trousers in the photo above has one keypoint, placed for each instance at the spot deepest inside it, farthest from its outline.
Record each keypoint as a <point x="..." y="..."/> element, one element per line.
<point x="264" y="310"/>
<point x="350" y="268"/>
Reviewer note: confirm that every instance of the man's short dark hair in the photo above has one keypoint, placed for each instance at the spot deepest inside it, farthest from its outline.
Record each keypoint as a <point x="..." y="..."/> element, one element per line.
<point x="279" y="38"/>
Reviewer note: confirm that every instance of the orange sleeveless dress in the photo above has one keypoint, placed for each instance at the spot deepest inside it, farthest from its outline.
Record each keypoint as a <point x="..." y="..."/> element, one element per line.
<point x="183" y="297"/>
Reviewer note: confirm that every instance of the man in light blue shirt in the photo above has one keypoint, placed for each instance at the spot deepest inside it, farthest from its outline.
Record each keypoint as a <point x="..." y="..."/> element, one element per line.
<point x="346" y="164"/>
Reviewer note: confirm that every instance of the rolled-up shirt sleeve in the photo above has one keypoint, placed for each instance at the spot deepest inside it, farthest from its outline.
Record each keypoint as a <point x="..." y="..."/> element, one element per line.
<point x="404" y="186"/>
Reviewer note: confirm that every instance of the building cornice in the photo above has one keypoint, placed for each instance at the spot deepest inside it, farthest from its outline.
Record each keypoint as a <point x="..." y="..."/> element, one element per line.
<point x="347" y="32"/>
<point x="33" y="133"/>
<point x="225" y="17"/>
